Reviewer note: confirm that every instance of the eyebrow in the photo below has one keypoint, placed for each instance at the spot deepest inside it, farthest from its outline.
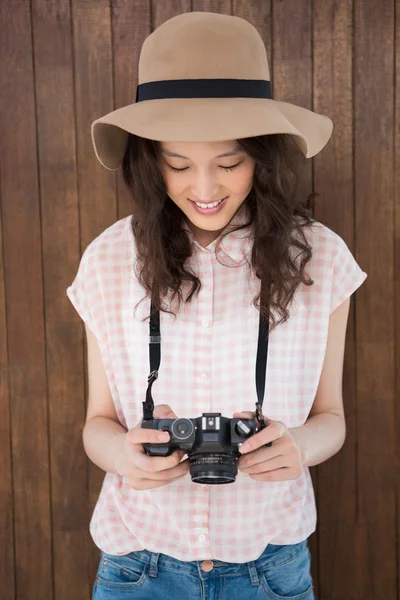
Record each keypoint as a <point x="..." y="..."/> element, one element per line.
<point x="231" y="153"/>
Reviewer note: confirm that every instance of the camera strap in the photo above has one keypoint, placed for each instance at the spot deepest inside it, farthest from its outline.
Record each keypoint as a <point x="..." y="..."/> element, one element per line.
<point x="155" y="359"/>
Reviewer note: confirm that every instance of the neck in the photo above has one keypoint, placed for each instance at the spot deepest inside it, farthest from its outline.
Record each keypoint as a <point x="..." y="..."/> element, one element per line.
<point x="203" y="237"/>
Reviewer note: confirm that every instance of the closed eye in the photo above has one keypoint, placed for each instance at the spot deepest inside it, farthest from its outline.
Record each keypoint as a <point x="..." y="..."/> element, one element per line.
<point x="186" y="168"/>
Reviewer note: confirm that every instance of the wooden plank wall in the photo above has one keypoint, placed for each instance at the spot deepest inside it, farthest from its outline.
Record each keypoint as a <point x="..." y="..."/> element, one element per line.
<point x="63" y="64"/>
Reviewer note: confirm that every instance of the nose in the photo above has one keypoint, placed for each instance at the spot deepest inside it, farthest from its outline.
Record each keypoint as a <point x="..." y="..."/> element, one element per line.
<point x="205" y="187"/>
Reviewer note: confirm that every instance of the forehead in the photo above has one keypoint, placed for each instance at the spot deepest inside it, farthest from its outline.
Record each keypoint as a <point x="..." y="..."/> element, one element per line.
<point x="201" y="150"/>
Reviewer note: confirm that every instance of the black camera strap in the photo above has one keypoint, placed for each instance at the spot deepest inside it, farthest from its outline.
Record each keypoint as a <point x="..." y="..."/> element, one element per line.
<point x="155" y="359"/>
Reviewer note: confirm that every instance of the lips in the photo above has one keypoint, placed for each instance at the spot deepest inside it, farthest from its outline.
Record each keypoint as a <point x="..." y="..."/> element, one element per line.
<point x="209" y="209"/>
<point x="207" y="203"/>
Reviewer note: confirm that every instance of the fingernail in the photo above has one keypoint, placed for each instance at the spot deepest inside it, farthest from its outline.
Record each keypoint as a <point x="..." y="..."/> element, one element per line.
<point x="244" y="448"/>
<point x="163" y="436"/>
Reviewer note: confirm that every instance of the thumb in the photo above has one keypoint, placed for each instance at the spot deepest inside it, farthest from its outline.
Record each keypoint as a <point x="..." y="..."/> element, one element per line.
<point x="252" y="415"/>
<point x="164" y="411"/>
<point x="244" y="415"/>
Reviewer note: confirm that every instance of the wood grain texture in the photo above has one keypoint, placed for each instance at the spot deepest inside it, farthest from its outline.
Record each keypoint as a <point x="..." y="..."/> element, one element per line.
<point x="375" y="543"/>
<point x="333" y="179"/>
<point x="260" y="16"/>
<point x="131" y="24"/>
<point x="65" y="63"/>
<point x="7" y="563"/>
<point x="22" y="243"/>
<point x="162" y="11"/>
<point x="397" y="268"/>
<point x="216" y="6"/>
<point x="97" y="206"/>
<point x="291" y="67"/>
<point x="54" y="82"/>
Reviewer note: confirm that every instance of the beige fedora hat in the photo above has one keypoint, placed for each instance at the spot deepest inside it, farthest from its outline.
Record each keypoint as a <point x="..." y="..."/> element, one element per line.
<point x="204" y="77"/>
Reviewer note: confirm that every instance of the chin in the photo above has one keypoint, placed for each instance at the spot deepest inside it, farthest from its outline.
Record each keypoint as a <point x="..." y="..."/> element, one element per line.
<point x="209" y="224"/>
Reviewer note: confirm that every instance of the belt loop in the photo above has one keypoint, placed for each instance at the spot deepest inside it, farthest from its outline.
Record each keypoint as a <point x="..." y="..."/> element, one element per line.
<point x="253" y="573"/>
<point x="153" y="569"/>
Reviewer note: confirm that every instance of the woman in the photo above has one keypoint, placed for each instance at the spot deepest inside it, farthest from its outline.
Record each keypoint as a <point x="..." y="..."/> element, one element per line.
<point x="217" y="243"/>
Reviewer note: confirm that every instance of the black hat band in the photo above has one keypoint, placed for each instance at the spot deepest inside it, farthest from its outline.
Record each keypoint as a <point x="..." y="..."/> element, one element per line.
<point x="204" y="88"/>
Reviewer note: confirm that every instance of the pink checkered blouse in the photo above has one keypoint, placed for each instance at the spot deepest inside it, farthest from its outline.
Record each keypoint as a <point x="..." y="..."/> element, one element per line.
<point x="208" y="365"/>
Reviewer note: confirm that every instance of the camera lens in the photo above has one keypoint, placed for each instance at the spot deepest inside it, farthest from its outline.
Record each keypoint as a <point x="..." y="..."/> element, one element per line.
<point x="182" y="429"/>
<point x="214" y="468"/>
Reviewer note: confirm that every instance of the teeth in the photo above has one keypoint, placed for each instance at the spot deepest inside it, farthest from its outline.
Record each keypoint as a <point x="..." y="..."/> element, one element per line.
<point x="208" y="205"/>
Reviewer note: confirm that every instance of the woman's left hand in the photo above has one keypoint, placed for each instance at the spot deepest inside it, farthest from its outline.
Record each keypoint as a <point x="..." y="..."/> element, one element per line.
<point x="279" y="462"/>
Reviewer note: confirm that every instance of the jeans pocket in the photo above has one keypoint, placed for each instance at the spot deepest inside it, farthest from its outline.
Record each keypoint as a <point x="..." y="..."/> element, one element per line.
<point x="121" y="572"/>
<point x="291" y="579"/>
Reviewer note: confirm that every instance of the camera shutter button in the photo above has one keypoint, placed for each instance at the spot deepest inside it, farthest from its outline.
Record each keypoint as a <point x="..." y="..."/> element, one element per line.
<point x="207" y="566"/>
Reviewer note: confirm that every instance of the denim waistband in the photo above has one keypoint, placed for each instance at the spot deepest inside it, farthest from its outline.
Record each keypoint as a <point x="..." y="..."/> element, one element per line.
<point x="271" y="557"/>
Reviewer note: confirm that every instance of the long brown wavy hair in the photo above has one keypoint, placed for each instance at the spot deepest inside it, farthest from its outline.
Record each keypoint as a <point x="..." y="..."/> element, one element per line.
<point x="277" y="223"/>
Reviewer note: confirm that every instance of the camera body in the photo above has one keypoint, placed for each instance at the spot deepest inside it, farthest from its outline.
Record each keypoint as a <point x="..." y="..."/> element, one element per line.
<point x="211" y="442"/>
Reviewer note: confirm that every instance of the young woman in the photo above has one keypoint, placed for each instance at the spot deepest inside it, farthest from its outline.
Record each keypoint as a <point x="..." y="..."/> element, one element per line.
<point x="218" y="245"/>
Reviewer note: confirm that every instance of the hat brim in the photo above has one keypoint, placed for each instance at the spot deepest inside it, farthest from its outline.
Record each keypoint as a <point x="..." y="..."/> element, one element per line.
<point x="207" y="120"/>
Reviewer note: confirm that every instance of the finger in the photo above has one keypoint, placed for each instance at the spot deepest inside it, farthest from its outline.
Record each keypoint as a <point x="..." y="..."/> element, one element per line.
<point x="139" y="436"/>
<point x="244" y="415"/>
<point x="260" y="455"/>
<point x="172" y="473"/>
<point x="164" y="411"/>
<point x="274" y="431"/>
<point x="153" y="464"/>
<point x="279" y="462"/>
<point x="284" y="474"/>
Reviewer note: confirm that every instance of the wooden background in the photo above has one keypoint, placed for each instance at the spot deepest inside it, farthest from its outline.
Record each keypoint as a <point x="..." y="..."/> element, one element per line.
<point x="65" y="63"/>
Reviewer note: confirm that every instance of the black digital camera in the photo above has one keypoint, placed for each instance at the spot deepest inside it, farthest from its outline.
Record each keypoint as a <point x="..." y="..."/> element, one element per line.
<point x="211" y="442"/>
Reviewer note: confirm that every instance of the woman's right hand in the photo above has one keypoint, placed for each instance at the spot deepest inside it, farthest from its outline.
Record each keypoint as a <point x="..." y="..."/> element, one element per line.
<point x="144" y="472"/>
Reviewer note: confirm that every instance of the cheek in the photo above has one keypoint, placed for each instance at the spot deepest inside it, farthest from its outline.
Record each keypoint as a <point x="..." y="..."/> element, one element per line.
<point x="241" y="182"/>
<point x="175" y="183"/>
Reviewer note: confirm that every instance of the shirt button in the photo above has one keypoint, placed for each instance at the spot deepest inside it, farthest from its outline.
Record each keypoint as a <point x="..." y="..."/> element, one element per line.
<point x="202" y="537"/>
<point x="204" y="376"/>
<point x="207" y="566"/>
<point x="206" y="324"/>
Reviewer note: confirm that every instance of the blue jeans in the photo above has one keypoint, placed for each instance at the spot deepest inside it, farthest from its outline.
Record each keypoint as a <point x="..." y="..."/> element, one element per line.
<point x="281" y="572"/>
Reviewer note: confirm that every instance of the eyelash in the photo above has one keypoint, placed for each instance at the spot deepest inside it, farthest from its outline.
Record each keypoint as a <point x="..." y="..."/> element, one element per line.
<point x="181" y="170"/>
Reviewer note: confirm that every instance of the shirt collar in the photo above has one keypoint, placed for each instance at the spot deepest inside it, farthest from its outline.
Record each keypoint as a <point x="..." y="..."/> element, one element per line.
<point x="235" y="244"/>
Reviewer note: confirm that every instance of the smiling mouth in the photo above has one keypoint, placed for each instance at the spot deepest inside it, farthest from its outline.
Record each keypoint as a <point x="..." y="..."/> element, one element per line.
<point x="209" y="204"/>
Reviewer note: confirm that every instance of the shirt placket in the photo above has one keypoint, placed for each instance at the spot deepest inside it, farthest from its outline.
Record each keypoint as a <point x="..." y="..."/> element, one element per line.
<point x="204" y="329"/>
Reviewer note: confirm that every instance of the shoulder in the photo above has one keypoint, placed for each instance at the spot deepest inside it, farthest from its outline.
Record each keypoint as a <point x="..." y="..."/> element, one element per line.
<point x="331" y="259"/>
<point x="325" y="243"/>
<point x="333" y="265"/>
<point x="113" y="245"/>
<point x="320" y="234"/>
